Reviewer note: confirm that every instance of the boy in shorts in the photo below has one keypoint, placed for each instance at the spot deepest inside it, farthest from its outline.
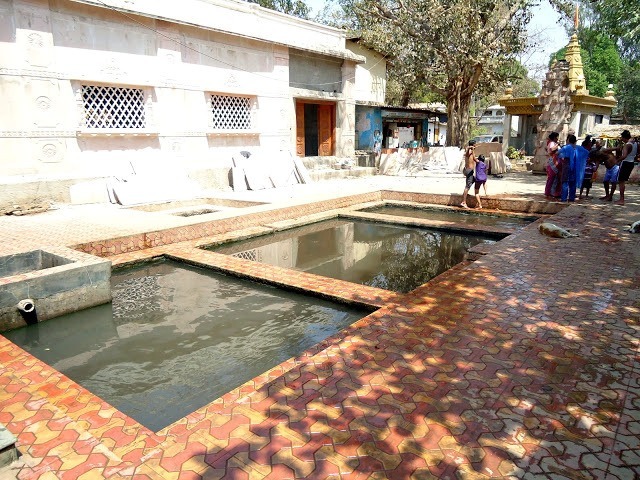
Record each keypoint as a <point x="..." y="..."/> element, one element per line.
<point x="611" y="175"/>
<point x="469" y="167"/>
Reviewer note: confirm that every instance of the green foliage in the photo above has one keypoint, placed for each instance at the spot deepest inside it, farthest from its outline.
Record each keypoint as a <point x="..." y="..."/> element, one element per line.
<point x="521" y="84"/>
<point x="394" y="91"/>
<point x="514" y="154"/>
<point x="621" y="19"/>
<point x="610" y="50"/>
<point x="628" y="93"/>
<point x="297" y="8"/>
<point x="526" y="87"/>
<point x="477" y="130"/>
<point x="601" y="61"/>
<point x="424" y="95"/>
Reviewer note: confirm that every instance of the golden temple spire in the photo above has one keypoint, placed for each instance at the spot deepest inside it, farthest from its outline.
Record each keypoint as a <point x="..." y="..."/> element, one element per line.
<point x="576" y="74"/>
<point x="576" y="19"/>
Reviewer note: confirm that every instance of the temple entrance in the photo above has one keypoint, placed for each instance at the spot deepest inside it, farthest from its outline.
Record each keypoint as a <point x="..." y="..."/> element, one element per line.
<point x="315" y="129"/>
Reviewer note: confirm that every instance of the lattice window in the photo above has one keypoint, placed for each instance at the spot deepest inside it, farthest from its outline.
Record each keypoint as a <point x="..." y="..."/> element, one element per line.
<point x="113" y="107"/>
<point x="248" y="255"/>
<point x="231" y="113"/>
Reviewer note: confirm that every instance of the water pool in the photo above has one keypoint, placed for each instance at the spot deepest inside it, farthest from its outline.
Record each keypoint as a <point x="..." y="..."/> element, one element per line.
<point x="392" y="257"/>
<point x="467" y="217"/>
<point x="176" y="337"/>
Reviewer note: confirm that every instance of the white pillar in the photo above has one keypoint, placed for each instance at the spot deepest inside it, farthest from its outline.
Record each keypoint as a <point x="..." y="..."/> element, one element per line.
<point x="506" y="132"/>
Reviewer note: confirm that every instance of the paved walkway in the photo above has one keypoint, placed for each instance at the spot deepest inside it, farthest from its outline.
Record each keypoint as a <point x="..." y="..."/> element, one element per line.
<point x="522" y="364"/>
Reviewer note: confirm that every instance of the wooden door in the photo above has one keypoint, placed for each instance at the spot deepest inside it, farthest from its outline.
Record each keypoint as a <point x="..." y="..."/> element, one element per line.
<point x="326" y="124"/>
<point x="300" y="129"/>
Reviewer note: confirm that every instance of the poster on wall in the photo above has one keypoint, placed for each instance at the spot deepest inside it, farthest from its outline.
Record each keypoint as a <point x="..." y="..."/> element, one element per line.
<point x="405" y="135"/>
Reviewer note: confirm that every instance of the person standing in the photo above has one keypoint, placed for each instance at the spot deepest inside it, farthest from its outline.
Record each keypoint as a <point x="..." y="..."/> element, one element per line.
<point x="589" y="174"/>
<point x="610" y="180"/>
<point x="469" y="167"/>
<point x="629" y="152"/>
<point x="569" y="157"/>
<point x="551" y="189"/>
<point x="481" y="178"/>
<point x="583" y="152"/>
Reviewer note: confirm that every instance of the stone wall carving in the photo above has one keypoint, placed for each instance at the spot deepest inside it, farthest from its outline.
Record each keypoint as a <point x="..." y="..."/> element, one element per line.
<point x="49" y="151"/>
<point x="557" y="105"/>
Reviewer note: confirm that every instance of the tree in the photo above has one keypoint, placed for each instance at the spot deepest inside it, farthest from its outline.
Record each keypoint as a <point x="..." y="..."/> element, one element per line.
<point x="297" y="8"/>
<point x="621" y="18"/>
<point x="628" y="94"/>
<point x="516" y="73"/>
<point x="454" y="47"/>
<point x="523" y="86"/>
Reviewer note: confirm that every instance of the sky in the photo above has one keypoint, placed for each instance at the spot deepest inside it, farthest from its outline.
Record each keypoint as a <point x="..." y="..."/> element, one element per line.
<point x="545" y="26"/>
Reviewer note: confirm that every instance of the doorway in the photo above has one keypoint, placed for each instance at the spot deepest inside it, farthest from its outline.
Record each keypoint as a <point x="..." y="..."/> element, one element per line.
<point x="315" y="129"/>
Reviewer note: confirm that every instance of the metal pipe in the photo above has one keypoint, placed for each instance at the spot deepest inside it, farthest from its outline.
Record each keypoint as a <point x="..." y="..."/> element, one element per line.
<point x="27" y="308"/>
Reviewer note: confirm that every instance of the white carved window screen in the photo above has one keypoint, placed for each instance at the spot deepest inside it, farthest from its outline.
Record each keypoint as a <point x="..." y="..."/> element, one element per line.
<point x="113" y="107"/>
<point x="248" y="255"/>
<point x="231" y="113"/>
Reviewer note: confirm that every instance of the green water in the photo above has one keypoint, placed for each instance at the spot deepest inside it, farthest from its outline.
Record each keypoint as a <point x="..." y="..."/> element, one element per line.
<point x="465" y="217"/>
<point x="386" y="256"/>
<point x="177" y="337"/>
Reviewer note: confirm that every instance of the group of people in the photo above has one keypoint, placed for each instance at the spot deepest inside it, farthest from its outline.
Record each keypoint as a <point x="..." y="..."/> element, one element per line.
<point x="475" y="172"/>
<point x="574" y="166"/>
<point x="568" y="168"/>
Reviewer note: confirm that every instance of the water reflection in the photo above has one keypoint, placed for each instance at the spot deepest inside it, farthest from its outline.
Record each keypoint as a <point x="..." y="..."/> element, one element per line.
<point x="457" y="216"/>
<point x="385" y="256"/>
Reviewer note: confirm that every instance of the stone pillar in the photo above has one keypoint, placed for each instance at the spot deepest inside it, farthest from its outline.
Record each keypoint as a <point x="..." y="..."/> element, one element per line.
<point x="506" y="133"/>
<point x="346" y="113"/>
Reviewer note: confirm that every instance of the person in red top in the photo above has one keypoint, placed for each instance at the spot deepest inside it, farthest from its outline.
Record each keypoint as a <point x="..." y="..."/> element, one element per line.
<point x="553" y="186"/>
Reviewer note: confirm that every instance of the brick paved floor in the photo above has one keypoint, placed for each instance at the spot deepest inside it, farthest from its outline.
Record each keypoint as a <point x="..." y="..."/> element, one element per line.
<point x="522" y="364"/>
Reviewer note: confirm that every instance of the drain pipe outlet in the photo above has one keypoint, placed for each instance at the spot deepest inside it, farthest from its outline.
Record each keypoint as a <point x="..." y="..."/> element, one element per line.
<point x="27" y="309"/>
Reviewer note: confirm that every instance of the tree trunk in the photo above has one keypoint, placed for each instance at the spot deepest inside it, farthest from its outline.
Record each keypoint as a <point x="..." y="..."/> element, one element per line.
<point x="458" y="116"/>
<point x="406" y="97"/>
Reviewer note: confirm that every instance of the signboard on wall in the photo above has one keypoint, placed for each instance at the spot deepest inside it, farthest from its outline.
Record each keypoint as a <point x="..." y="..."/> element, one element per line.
<point x="405" y="135"/>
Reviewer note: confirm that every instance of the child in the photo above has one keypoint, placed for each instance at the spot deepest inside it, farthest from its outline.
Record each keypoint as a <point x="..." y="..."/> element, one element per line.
<point x="589" y="175"/>
<point x="481" y="178"/>
<point x="469" y="167"/>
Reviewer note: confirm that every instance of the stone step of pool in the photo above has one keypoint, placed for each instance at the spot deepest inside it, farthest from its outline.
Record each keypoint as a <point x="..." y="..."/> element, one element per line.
<point x="8" y="450"/>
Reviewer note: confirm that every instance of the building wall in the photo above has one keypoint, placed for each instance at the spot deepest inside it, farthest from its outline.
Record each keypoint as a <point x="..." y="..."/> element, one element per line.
<point x="315" y="72"/>
<point x="583" y="123"/>
<point x="240" y="18"/>
<point x="492" y="119"/>
<point x="49" y="49"/>
<point x="371" y="76"/>
<point x="368" y="122"/>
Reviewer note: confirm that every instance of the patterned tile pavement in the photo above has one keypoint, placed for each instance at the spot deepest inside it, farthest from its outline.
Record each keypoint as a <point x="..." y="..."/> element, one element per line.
<point x="522" y="364"/>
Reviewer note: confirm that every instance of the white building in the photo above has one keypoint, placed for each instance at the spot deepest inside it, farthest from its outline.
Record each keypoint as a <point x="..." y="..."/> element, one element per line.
<point x="95" y="89"/>
<point x="492" y="119"/>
